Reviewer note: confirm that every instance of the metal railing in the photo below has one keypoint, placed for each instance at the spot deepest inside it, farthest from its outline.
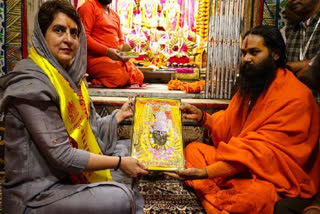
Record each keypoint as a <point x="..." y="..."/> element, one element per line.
<point x="223" y="47"/>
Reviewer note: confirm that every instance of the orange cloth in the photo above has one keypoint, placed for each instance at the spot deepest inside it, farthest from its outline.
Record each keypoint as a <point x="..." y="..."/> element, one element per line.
<point x="275" y="143"/>
<point x="103" y="31"/>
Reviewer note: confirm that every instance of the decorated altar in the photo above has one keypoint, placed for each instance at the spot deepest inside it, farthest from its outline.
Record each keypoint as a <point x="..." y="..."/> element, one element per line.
<point x="166" y="33"/>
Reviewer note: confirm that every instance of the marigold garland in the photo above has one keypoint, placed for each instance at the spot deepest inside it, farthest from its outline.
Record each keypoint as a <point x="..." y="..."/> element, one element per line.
<point x="193" y="87"/>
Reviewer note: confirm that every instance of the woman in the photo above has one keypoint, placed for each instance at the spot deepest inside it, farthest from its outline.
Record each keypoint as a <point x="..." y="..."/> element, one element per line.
<point x="54" y="139"/>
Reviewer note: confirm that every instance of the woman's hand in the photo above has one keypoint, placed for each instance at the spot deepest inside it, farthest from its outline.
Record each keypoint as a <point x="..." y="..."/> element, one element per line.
<point x="126" y="111"/>
<point x="189" y="174"/>
<point x="191" y="112"/>
<point x="131" y="167"/>
<point x="115" y="54"/>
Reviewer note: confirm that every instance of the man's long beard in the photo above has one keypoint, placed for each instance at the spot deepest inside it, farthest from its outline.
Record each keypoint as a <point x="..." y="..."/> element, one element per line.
<point x="254" y="79"/>
<point x="105" y="2"/>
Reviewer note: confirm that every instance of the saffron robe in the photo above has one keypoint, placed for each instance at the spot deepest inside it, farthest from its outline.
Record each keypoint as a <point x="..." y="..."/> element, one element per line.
<point x="103" y="31"/>
<point x="277" y="142"/>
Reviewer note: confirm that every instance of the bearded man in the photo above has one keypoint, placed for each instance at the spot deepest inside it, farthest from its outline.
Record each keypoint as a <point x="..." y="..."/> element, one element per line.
<point x="106" y="66"/>
<point x="264" y="142"/>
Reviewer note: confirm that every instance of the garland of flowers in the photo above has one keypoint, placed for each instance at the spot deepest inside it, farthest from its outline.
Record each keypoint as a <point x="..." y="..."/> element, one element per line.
<point x="202" y="19"/>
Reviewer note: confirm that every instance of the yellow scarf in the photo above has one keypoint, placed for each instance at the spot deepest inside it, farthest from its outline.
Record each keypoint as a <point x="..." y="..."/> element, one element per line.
<point x="73" y="116"/>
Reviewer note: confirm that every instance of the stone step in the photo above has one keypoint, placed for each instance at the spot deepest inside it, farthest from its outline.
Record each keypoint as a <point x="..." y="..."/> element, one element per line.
<point x="155" y="90"/>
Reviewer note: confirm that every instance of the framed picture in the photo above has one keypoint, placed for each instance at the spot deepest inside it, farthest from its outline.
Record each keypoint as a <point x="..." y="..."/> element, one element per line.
<point x="157" y="133"/>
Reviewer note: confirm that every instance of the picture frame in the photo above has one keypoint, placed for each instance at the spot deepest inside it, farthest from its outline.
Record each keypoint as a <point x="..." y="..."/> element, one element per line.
<point x="157" y="133"/>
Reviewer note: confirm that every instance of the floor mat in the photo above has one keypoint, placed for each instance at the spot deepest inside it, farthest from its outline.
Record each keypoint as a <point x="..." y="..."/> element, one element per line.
<point x="163" y="194"/>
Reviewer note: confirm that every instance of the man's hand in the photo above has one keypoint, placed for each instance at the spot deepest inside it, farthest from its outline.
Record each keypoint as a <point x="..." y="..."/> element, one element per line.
<point x="296" y="66"/>
<point x="131" y="167"/>
<point x="191" y="112"/>
<point x="126" y="111"/>
<point x="125" y="47"/>
<point x="303" y="72"/>
<point x="189" y="174"/>
<point x="115" y="55"/>
<point x="305" y="76"/>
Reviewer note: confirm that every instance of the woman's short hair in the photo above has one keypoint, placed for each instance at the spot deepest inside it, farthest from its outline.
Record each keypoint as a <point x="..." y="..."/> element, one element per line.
<point x="49" y="9"/>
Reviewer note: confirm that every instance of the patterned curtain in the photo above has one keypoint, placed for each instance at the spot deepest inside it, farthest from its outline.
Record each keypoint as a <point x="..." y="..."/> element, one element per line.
<point x="2" y="38"/>
<point x="14" y="17"/>
<point x="275" y="13"/>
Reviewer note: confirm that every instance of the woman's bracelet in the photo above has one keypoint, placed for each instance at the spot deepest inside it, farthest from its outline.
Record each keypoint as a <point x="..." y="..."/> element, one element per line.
<point x="316" y="207"/>
<point x="117" y="167"/>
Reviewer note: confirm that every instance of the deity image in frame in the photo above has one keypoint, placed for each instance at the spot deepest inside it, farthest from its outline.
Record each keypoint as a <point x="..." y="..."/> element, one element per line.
<point x="157" y="134"/>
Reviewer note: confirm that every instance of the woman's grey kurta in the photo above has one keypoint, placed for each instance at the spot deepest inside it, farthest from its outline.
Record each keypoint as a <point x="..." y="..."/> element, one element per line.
<point x="38" y="157"/>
